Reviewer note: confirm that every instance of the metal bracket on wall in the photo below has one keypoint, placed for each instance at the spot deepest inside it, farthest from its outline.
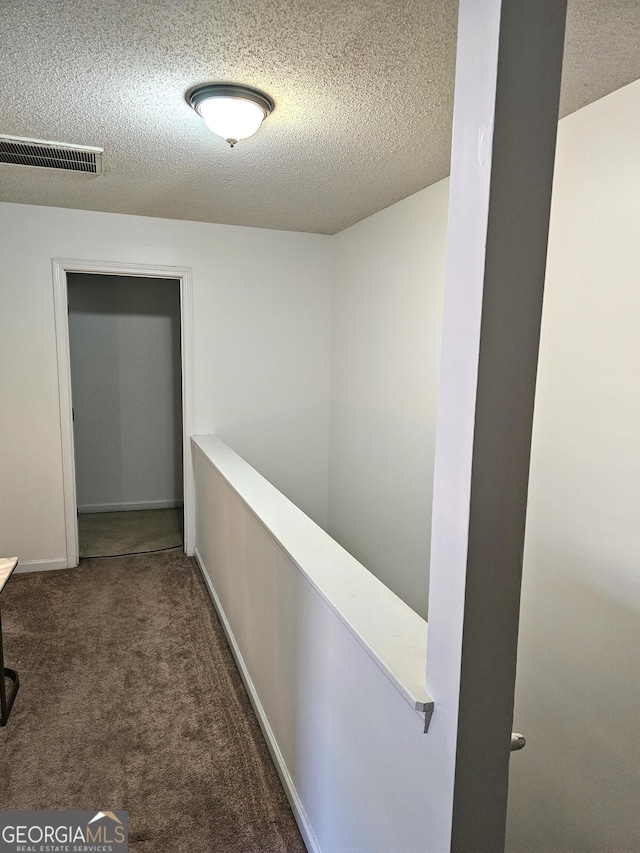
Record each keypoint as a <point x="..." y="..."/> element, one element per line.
<point x="427" y="709"/>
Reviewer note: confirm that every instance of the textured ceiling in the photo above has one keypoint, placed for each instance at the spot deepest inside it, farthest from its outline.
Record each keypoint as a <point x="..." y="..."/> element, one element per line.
<point x="363" y="92"/>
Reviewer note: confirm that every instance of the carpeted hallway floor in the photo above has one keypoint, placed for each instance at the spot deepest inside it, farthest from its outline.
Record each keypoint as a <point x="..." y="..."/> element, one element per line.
<point x="129" y="699"/>
<point x="110" y="534"/>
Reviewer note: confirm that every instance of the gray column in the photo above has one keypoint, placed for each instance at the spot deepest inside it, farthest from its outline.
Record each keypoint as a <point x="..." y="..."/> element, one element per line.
<point x="505" y="120"/>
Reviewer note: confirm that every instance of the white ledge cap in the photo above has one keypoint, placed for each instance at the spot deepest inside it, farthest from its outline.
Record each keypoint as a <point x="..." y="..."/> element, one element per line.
<point x="393" y="635"/>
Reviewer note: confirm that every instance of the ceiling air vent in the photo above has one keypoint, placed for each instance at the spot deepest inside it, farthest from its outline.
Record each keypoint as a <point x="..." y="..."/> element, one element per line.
<point x="50" y="155"/>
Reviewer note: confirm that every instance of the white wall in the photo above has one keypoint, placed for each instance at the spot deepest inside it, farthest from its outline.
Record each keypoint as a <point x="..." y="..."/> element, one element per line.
<point x="387" y="326"/>
<point x="576" y="786"/>
<point x="124" y="335"/>
<point x="262" y="315"/>
<point x="304" y="620"/>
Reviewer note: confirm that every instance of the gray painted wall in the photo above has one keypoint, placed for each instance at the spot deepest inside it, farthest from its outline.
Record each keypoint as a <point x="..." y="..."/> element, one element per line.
<point x="126" y="383"/>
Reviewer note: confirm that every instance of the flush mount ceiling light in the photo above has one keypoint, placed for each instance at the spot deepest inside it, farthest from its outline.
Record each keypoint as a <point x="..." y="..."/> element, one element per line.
<point x="232" y="112"/>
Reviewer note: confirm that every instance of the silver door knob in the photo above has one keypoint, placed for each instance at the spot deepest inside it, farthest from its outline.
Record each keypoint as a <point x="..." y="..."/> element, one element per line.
<point x="518" y="741"/>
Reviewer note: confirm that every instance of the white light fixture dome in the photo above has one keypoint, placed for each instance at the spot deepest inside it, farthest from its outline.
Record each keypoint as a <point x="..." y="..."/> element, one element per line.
<point x="232" y="112"/>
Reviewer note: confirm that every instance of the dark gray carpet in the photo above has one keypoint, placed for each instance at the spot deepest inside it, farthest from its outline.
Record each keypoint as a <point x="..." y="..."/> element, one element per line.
<point x="108" y="534"/>
<point x="129" y="699"/>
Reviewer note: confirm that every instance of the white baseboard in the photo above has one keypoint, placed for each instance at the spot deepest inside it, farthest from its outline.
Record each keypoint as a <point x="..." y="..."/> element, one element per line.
<point x="129" y="505"/>
<point x="299" y="812"/>
<point x="41" y="565"/>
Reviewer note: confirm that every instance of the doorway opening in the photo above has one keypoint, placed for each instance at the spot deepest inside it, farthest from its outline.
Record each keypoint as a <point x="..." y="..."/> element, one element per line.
<point x="126" y="378"/>
<point x="124" y="344"/>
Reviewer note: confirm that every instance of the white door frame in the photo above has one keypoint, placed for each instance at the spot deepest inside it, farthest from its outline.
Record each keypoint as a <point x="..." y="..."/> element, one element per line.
<point x="62" y="266"/>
